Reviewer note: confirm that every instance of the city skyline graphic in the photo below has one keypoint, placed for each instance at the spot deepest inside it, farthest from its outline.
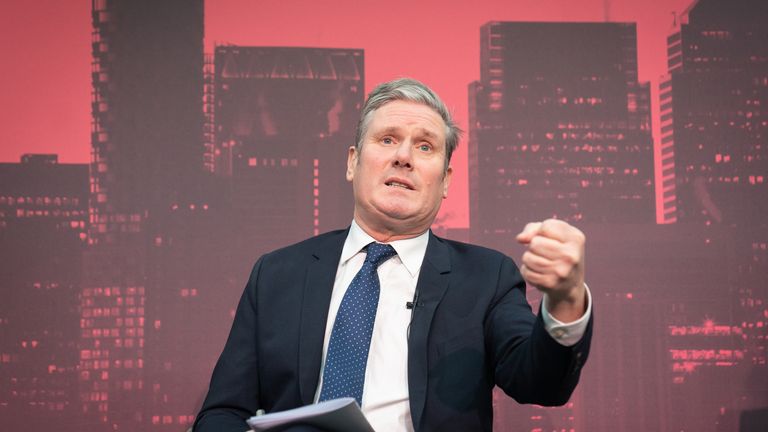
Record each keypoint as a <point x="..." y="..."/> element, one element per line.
<point x="120" y="276"/>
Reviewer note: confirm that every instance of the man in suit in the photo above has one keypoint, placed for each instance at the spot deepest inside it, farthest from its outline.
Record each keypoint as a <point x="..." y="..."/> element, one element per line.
<point x="417" y="328"/>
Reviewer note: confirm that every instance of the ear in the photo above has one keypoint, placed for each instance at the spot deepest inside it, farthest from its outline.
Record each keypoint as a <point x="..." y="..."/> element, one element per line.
<point x="447" y="181"/>
<point x="351" y="163"/>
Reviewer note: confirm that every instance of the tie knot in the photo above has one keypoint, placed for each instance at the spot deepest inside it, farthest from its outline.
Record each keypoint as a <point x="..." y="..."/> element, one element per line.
<point x="377" y="253"/>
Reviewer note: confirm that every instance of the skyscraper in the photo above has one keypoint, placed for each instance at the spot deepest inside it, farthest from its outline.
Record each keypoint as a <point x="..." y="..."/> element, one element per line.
<point x="278" y="124"/>
<point x="284" y="119"/>
<point x="43" y="223"/>
<point x="714" y="123"/>
<point x="147" y="156"/>
<point x="715" y="97"/>
<point x="559" y="126"/>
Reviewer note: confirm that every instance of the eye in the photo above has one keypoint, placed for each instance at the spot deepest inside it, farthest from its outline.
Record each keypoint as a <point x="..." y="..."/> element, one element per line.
<point x="425" y="147"/>
<point x="387" y="140"/>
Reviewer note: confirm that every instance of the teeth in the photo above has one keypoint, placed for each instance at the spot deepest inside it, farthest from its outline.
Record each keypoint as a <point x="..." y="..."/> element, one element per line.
<point x="398" y="185"/>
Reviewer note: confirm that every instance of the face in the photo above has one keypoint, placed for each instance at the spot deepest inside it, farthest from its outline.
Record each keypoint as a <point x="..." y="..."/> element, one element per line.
<point x="399" y="177"/>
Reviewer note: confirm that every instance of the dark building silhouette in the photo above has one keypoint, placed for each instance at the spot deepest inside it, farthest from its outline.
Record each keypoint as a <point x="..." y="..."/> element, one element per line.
<point x="715" y="164"/>
<point x="284" y="119"/>
<point x="147" y="157"/>
<point x="715" y="110"/>
<point x="559" y="126"/>
<point x="667" y="152"/>
<point x="194" y="285"/>
<point x="716" y="335"/>
<point x="655" y="285"/>
<point x="43" y="223"/>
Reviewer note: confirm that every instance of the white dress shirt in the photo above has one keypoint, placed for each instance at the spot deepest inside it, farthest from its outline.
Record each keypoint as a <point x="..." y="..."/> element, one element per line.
<point x="385" y="394"/>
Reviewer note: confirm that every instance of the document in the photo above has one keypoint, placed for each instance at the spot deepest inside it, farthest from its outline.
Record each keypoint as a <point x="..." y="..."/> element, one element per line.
<point x="342" y="415"/>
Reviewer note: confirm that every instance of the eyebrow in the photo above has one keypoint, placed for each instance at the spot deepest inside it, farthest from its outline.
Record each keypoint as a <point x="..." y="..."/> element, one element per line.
<point x="395" y="130"/>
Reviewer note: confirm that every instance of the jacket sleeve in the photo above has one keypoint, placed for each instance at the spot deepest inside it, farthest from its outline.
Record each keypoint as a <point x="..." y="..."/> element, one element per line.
<point x="529" y="365"/>
<point x="233" y="395"/>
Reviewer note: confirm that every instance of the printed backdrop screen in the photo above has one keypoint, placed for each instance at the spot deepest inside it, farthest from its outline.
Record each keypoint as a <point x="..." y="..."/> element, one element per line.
<point x="153" y="150"/>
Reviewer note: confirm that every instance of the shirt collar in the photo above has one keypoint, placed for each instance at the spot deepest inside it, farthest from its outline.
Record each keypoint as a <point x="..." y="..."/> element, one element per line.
<point x="410" y="251"/>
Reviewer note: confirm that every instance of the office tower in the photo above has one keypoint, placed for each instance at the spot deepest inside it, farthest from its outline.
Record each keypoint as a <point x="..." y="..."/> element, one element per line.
<point x="715" y="104"/>
<point x="650" y="281"/>
<point x="43" y="223"/>
<point x="284" y="120"/>
<point x="667" y="162"/>
<point x="559" y="126"/>
<point x="147" y="149"/>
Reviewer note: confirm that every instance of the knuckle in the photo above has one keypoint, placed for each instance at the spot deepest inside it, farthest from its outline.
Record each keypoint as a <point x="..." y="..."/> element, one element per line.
<point x="563" y="271"/>
<point x="535" y="242"/>
<point x="571" y="257"/>
<point x="549" y="282"/>
<point x="526" y="259"/>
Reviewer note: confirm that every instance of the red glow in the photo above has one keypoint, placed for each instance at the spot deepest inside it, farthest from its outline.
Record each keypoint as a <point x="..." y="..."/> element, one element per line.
<point x="706" y="330"/>
<point x="392" y="49"/>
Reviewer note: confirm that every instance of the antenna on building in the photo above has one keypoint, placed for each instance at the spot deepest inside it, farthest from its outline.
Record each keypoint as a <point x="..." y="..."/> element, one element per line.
<point x="607" y="10"/>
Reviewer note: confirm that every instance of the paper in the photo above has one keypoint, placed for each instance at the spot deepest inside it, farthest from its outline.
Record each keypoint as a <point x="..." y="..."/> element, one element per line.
<point x="342" y="415"/>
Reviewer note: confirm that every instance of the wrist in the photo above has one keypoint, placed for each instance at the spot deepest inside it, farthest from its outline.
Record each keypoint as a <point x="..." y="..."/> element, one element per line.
<point x="567" y="305"/>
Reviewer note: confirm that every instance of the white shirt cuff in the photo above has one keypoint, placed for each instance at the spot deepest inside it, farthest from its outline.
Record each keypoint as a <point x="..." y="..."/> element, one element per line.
<point x="566" y="334"/>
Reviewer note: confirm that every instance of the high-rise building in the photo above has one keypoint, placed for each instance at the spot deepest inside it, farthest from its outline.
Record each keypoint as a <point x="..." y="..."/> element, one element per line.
<point x="147" y="72"/>
<point x="43" y="223"/>
<point x="559" y="127"/>
<point x="716" y="337"/>
<point x="715" y="155"/>
<point x="147" y="156"/>
<point x="716" y="98"/>
<point x="284" y="120"/>
<point x="667" y="153"/>
<point x="649" y="282"/>
<point x="278" y="122"/>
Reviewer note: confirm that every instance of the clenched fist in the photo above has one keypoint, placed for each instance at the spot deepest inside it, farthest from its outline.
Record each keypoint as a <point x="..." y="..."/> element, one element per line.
<point x="554" y="264"/>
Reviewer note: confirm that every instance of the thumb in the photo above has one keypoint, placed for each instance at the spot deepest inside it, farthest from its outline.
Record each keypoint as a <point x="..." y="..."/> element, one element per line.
<point x="529" y="232"/>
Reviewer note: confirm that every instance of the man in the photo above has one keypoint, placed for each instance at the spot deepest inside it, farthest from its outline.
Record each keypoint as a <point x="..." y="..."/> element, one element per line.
<point x="417" y="328"/>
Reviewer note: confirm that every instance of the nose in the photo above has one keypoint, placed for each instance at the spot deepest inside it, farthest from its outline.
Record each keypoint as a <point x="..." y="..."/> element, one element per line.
<point x="403" y="156"/>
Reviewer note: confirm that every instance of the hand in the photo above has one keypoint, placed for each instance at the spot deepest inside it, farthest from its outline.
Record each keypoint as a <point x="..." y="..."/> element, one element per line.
<point x="554" y="264"/>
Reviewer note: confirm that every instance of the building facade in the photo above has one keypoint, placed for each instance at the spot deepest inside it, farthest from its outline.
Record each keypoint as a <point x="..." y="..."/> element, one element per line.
<point x="147" y="157"/>
<point x="559" y="127"/>
<point x="716" y="123"/>
<point x="284" y="121"/>
<point x="43" y="226"/>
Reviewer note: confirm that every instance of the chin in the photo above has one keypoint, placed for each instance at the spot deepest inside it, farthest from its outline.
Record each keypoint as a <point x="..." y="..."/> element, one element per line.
<point x="397" y="213"/>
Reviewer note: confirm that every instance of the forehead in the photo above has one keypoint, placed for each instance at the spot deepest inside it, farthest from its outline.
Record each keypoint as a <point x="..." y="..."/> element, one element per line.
<point x="408" y="115"/>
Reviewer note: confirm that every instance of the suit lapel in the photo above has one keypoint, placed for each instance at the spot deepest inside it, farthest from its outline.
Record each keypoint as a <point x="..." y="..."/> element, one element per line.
<point x="318" y="286"/>
<point x="432" y="284"/>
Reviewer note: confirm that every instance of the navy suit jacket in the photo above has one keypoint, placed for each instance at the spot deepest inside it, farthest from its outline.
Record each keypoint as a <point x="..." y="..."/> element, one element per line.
<point x="472" y="329"/>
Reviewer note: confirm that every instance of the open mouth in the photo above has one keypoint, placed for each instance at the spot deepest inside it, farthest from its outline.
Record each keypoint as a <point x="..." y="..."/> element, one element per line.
<point x="398" y="184"/>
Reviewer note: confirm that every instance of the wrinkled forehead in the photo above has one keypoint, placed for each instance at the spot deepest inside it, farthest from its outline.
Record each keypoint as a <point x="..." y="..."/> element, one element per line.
<point x="402" y="115"/>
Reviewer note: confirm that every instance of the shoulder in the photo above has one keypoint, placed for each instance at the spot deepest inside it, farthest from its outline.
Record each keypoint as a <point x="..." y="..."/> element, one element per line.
<point x="292" y="257"/>
<point x="467" y="250"/>
<point x="467" y="258"/>
<point x="311" y="245"/>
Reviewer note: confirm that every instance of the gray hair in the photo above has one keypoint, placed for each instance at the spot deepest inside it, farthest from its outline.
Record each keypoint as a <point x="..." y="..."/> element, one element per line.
<point x="408" y="89"/>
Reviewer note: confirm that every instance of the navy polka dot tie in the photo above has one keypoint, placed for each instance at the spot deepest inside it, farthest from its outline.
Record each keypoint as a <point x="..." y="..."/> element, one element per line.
<point x="344" y="374"/>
